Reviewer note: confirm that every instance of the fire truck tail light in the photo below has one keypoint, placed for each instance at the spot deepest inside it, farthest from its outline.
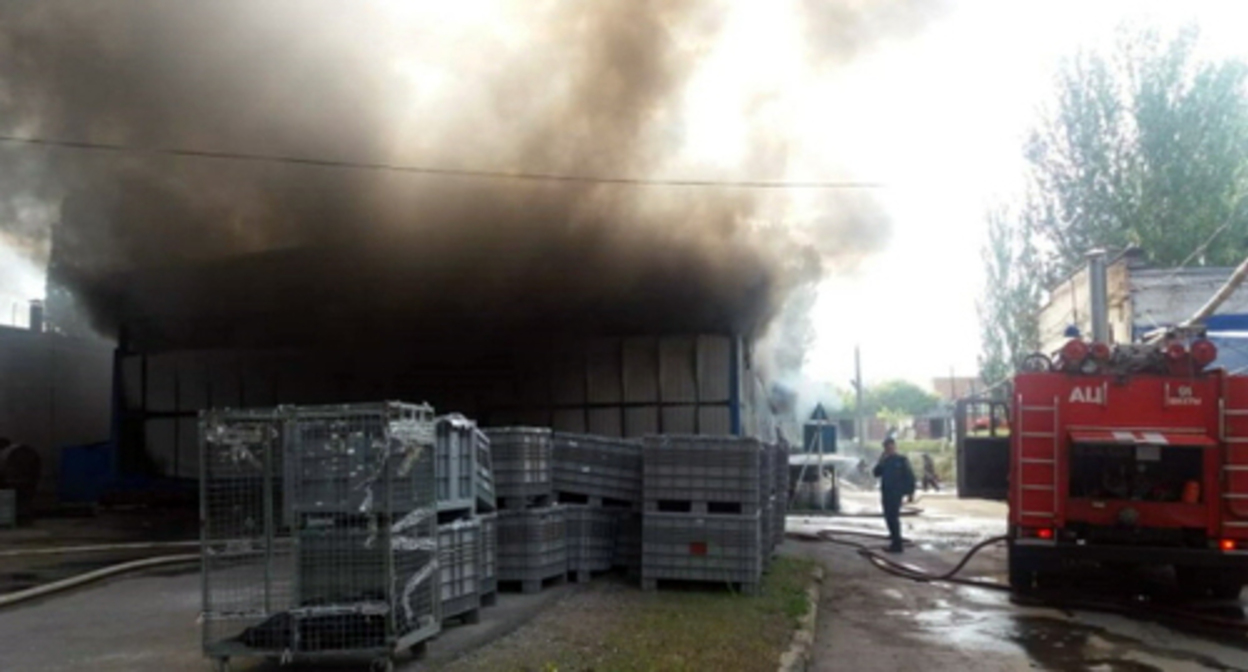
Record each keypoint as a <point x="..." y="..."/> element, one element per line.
<point x="1204" y="352"/>
<point x="1045" y="533"/>
<point x="1176" y="351"/>
<point x="1100" y="352"/>
<point x="1227" y="545"/>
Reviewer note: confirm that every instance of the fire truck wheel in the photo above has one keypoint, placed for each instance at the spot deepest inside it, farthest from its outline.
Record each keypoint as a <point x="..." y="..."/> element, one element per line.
<point x="1022" y="575"/>
<point x="1228" y="590"/>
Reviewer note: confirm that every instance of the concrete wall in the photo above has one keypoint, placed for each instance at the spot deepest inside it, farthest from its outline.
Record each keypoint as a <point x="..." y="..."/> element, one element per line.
<point x="55" y="391"/>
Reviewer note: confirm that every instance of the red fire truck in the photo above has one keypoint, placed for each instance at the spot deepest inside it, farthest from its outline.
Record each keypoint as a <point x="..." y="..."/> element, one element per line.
<point x="1136" y="455"/>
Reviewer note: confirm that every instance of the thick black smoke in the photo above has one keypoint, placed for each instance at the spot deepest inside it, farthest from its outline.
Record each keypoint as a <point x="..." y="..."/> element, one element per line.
<point x="236" y="252"/>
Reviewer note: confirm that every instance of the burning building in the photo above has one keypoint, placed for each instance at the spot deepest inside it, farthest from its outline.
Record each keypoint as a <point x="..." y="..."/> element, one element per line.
<point x="305" y="209"/>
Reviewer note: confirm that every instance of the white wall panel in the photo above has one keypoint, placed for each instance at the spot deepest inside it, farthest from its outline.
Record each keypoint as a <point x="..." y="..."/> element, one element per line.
<point x="641" y="370"/>
<point x="714" y="420"/>
<point x="570" y="420"/>
<point x="679" y="419"/>
<point x="193" y="383"/>
<point x="225" y="384"/>
<point x="641" y="421"/>
<point x="606" y="422"/>
<point x="603" y="357"/>
<point x="714" y="368"/>
<point x="567" y="368"/>
<point x="161" y="370"/>
<point x="678" y="381"/>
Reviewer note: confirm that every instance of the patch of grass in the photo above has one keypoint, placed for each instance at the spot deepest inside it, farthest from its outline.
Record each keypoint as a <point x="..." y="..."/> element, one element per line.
<point x="614" y="627"/>
<point x="932" y="446"/>
<point x="702" y="630"/>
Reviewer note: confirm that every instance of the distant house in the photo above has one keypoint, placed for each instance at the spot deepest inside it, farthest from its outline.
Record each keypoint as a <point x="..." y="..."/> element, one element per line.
<point x="1142" y="299"/>
<point x="951" y="388"/>
<point x="876" y="429"/>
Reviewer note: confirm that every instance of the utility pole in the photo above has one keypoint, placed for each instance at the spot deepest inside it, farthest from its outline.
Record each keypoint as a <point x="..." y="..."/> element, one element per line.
<point x="953" y="405"/>
<point x="862" y="425"/>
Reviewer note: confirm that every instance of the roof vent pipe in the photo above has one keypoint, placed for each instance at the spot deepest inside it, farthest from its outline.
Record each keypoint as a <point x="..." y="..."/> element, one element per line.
<point x="1098" y="285"/>
<point x="36" y="315"/>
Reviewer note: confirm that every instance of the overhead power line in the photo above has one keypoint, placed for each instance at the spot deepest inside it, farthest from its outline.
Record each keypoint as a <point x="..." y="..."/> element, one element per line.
<point x="436" y="171"/>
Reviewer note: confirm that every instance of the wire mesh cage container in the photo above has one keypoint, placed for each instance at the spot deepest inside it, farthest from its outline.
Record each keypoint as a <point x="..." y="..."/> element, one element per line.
<point x="320" y="531"/>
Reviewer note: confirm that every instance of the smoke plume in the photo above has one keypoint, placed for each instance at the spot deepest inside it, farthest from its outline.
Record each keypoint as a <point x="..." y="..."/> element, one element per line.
<point x="573" y="88"/>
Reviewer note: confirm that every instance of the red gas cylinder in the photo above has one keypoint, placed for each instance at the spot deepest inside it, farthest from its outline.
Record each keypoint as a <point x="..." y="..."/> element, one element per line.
<point x="1191" y="492"/>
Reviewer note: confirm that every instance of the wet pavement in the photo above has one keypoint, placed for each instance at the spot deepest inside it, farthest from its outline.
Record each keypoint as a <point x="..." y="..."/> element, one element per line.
<point x="870" y="620"/>
<point x="149" y="623"/>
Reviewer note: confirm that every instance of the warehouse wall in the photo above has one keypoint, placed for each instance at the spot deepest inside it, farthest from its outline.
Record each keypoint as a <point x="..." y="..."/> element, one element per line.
<point x="55" y="391"/>
<point x="611" y="386"/>
<point x="1070" y="303"/>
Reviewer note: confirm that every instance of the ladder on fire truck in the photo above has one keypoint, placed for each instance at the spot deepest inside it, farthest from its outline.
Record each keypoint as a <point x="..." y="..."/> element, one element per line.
<point x="1234" y="429"/>
<point x="1036" y="471"/>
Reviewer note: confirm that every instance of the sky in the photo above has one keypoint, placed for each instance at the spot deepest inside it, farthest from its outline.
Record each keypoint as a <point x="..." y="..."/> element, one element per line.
<point x="936" y="112"/>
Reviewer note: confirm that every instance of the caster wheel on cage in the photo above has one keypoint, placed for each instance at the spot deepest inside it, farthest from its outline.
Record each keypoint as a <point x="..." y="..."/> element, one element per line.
<point x="221" y="665"/>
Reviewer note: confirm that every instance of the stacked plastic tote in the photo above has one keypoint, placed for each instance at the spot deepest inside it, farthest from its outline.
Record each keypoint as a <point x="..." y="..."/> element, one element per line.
<point x="780" y="472"/>
<point x="707" y="500"/>
<point x="466" y="505"/>
<point x="598" y="479"/>
<point x="532" y="529"/>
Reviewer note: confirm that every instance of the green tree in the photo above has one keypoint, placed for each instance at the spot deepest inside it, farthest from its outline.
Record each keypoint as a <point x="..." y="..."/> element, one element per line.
<point x="894" y="398"/>
<point x="1146" y="146"/>
<point x="1009" y="325"/>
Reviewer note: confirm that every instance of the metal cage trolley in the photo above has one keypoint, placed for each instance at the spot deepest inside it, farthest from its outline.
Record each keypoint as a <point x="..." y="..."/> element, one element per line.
<point x="319" y="530"/>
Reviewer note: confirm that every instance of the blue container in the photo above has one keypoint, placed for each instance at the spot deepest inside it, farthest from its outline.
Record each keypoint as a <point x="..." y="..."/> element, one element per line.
<point x="86" y="472"/>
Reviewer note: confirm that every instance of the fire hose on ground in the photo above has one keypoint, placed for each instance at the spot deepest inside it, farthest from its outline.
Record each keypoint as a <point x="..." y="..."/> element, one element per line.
<point x="98" y="548"/>
<point x="10" y="599"/>
<point x="1127" y="607"/>
<point x="36" y="592"/>
<point x="891" y="566"/>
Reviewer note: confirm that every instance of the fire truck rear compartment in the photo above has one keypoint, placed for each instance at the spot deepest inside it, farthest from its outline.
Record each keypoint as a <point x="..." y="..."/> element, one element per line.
<point x="1139" y="473"/>
<point x="1133" y="505"/>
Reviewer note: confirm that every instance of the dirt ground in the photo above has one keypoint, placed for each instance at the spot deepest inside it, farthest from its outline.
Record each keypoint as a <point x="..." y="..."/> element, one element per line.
<point x="869" y="620"/>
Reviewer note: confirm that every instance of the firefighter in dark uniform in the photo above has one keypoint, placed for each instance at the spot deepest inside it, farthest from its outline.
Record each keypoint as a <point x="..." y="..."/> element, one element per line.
<point x="929" y="474"/>
<point x="896" y="483"/>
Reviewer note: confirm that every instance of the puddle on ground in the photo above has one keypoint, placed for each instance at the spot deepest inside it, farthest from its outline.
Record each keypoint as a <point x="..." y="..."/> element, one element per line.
<point x="984" y="620"/>
<point x="1061" y="644"/>
<point x="893" y="593"/>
